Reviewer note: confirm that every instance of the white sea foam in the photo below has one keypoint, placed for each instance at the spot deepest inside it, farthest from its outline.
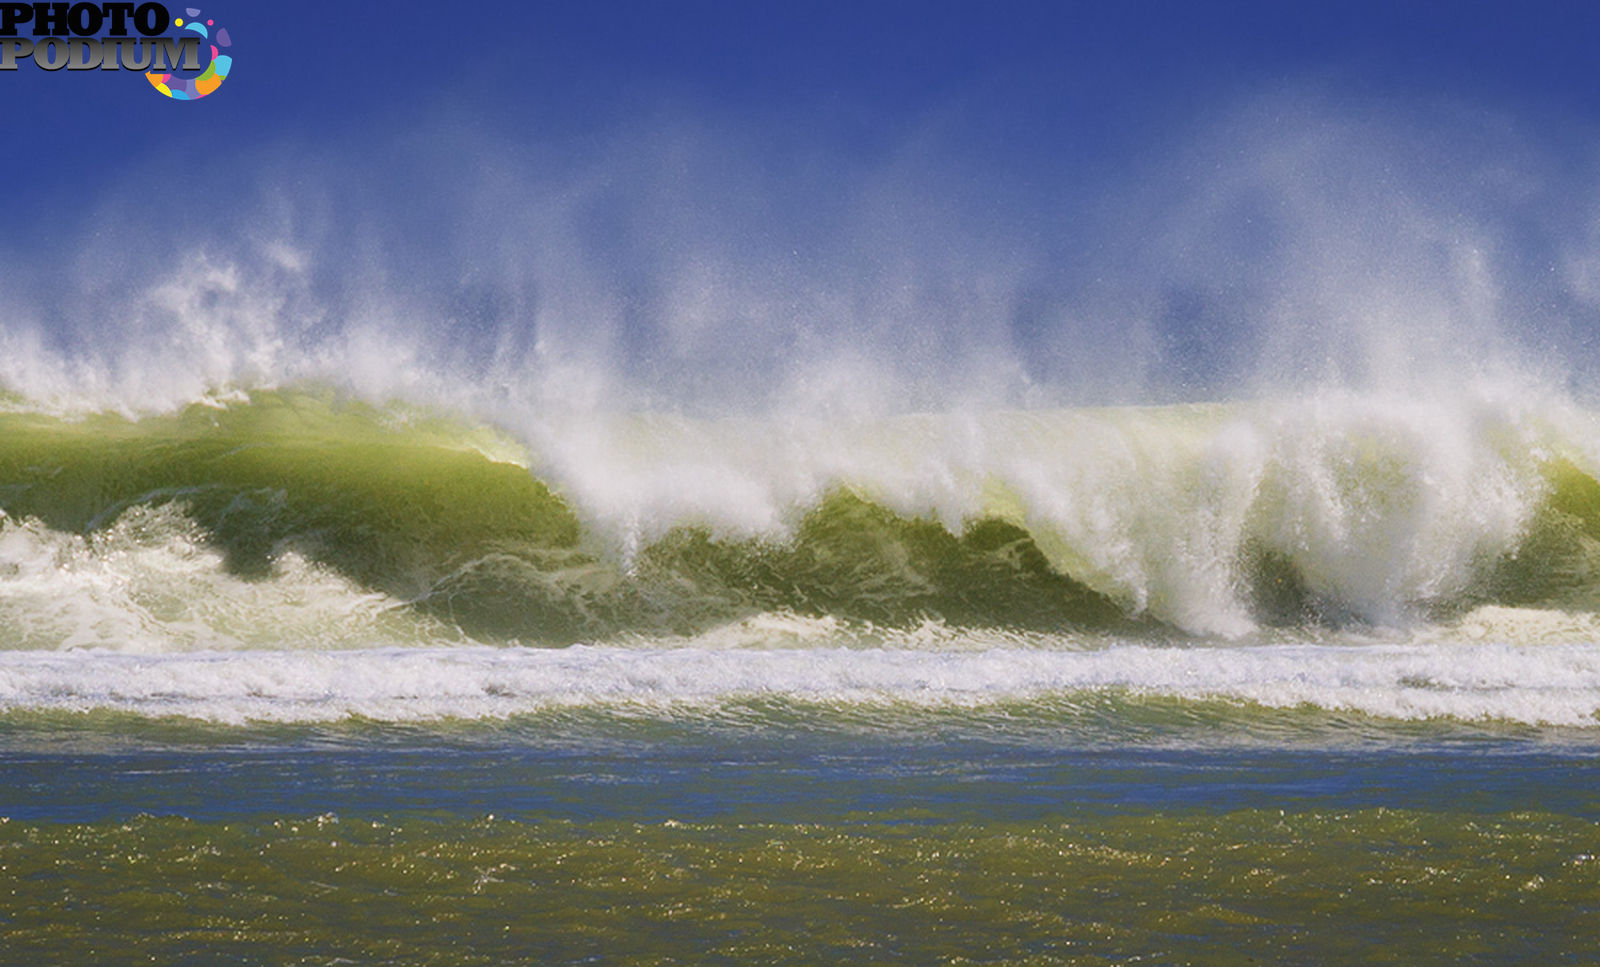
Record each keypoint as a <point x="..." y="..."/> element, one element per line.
<point x="151" y="583"/>
<point x="1546" y="684"/>
<point x="1385" y="505"/>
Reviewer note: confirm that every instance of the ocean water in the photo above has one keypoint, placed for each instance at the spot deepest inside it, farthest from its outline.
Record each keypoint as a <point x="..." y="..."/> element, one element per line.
<point x="290" y="673"/>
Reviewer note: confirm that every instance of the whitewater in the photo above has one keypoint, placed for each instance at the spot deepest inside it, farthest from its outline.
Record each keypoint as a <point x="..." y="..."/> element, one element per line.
<point x="299" y="555"/>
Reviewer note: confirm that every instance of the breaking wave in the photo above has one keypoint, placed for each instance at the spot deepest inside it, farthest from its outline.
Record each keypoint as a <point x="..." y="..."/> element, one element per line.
<point x="311" y="516"/>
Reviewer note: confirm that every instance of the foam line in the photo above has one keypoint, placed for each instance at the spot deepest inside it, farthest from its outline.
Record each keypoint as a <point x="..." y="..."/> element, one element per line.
<point x="1547" y="684"/>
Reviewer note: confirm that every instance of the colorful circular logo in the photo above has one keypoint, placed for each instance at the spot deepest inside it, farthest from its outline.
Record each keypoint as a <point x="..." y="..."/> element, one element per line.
<point x="208" y="80"/>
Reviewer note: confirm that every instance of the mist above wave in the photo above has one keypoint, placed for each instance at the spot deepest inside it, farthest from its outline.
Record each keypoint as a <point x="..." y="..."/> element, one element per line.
<point x="1297" y="240"/>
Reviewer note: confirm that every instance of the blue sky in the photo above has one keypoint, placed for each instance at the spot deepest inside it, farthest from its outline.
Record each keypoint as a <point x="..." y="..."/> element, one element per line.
<point x="1057" y="144"/>
<point x="1052" y="74"/>
<point x="1037" y="79"/>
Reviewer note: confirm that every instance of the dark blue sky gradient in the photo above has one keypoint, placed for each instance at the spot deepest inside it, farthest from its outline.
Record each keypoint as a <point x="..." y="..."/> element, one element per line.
<point x="1025" y="83"/>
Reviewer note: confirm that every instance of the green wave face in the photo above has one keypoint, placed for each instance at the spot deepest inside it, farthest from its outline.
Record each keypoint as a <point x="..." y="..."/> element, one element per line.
<point x="394" y="508"/>
<point x="411" y="509"/>
<point x="444" y="518"/>
<point x="1558" y="560"/>
<point x="379" y="501"/>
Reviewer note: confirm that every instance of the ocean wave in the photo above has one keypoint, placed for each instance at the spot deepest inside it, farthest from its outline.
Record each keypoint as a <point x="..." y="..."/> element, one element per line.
<point x="1342" y="511"/>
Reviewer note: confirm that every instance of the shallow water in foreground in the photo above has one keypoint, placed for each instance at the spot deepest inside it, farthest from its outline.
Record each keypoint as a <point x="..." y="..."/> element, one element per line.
<point x="1368" y="886"/>
<point x="807" y="839"/>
